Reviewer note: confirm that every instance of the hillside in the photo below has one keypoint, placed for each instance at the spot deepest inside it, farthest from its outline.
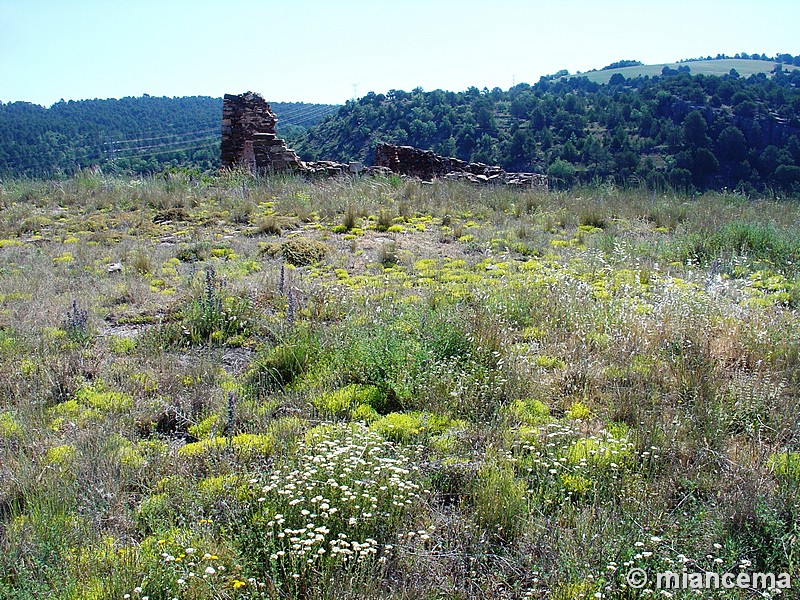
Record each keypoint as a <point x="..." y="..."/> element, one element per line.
<point x="744" y="67"/>
<point x="144" y="134"/>
<point x="680" y="129"/>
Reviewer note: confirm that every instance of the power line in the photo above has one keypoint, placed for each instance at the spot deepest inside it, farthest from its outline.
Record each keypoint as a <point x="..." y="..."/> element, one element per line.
<point x="167" y="148"/>
<point x="169" y="143"/>
<point x="167" y="135"/>
<point x="310" y="114"/>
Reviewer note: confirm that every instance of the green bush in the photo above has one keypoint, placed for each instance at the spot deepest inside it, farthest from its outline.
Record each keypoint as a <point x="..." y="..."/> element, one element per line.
<point x="300" y="251"/>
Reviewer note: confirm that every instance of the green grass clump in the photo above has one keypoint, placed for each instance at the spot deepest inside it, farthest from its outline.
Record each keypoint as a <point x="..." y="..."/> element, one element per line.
<point x="412" y="426"/>
<point x="499" y="501"/>
<point x="276" y="367"/>
<point x="785" y="464"/>
<point x="530" y="411"/>
<point x="348" y="399"/>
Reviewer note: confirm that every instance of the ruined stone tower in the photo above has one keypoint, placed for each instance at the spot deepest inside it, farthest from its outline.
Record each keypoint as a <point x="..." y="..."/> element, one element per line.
<point x="248" y="136"/>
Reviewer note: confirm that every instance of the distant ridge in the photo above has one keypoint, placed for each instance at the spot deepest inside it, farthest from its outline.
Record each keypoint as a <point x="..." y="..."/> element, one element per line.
<point x="745" y="68"/>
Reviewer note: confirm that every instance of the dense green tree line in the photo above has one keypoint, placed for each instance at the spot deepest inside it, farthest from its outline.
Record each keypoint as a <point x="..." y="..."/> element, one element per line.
<point x="139" y="135"/>
<point x="681" y="130"/>
<point x="781" y="57"/>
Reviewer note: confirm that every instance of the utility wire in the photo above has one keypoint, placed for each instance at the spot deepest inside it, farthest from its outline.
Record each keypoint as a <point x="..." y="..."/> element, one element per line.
<point x="170" y="143"/>
<point x="167" y="135"/>
<point x="168" y="148"/>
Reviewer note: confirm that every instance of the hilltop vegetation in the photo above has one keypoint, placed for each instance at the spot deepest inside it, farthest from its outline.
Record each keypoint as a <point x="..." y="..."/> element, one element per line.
<point x="130" y="135"/>
<point x="680" y="130"/>
<point x="719" y="67"/>
<point x="238" y="388"/>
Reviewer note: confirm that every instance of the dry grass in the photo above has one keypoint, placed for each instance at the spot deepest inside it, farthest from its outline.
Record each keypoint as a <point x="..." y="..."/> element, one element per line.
<point x="553" y="388"/>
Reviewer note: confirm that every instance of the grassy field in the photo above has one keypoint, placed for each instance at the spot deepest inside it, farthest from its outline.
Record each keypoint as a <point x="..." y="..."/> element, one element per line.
<point x="744" y="67"/>
<point x="268" y="388"/>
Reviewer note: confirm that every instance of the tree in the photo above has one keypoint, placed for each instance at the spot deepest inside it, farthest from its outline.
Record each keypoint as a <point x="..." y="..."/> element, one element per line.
<point x="731" y="144"/>
<point x="787" y="177"/>
<point x="625" y="164"/>
<point x="569" y="152"/>
<point x="704" y="164"/>
<point x="695" y="130"/>
<point x="617" y="79"/>
<point x="485" y="150"/>
<point x="561" y="174"/>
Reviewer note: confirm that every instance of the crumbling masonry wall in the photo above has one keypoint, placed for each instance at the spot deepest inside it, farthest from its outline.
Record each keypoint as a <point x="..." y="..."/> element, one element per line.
<point x="248" y="135"/>
<point x="415" y="162"/>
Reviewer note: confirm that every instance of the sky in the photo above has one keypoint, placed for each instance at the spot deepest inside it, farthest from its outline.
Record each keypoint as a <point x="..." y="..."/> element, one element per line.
<point x="331" y="51"/>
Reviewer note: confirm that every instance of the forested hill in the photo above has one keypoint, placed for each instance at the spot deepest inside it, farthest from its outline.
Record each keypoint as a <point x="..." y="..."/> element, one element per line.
<point x="144" y="134"/>
<point x="678" y="129"/>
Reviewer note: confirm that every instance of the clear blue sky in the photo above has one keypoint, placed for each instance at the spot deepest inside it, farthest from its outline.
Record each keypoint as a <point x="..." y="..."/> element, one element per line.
<point x="314" y="51"/>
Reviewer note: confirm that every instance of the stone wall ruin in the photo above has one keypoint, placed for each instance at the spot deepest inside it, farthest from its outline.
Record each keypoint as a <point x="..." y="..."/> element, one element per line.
<point x="414" y="162"/>
<point x="249" y="139"/>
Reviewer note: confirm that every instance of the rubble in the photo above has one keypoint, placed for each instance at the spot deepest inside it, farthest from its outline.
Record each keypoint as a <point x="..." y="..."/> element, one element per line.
<point x="415" y="162"/>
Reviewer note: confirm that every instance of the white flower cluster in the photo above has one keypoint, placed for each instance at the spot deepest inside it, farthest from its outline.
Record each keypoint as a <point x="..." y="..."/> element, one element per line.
<point x="347" y="488"/>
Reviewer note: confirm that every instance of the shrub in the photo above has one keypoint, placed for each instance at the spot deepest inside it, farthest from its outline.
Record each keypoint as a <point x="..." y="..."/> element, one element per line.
<point x="300" y="251"/>
<point x="562" y="174"/>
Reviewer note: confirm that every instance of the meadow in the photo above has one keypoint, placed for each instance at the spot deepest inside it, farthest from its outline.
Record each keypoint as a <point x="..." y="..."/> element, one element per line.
<point x="240" y="387"/>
